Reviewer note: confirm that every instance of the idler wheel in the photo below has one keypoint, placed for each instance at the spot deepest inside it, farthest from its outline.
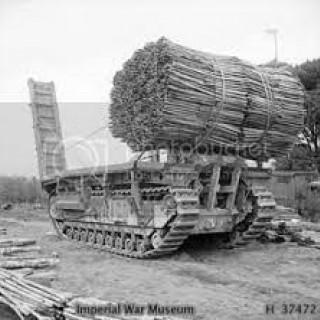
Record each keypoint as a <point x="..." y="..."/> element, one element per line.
<point x="141" y="247"/>
<point x="129" y="245"/>
<point x="109" y="241"/>
<point x="156" y="240"/>
<point x="234" y="236"/>
<point x="118" y="243"/>
<point x="53" y="210"/>
<point x="69" y="233"/>
<point x="170" y="202"/>
<point x="60" y="226"/>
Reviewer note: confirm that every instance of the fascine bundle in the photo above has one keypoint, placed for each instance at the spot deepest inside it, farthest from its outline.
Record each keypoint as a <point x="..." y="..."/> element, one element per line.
<point x="167" y="92"/>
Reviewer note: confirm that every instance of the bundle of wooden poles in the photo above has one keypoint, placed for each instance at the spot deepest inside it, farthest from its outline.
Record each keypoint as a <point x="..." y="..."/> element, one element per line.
<point x="32" y="301"/>
<point x="167" y="93"/>
<point x="23" y="253"/>
<point x="28" y="299"/>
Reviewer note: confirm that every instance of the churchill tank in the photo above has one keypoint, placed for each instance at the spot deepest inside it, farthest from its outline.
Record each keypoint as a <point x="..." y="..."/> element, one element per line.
<point x="143" y="208"/>
<point x="166" y="98"/>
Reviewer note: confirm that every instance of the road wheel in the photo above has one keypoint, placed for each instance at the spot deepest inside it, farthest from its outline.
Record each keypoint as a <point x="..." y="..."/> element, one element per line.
<point x="118" y="243"/>
<point x="129" y="245"/>
<point x="69" y="233"/>
<point x="141" y="247"/>
<point x="84" y="236"/>
<point x="76" y="235"/>
<point x="100" y="239"/>
<point x="109" y="241"/>
<point x="91" y="237"/>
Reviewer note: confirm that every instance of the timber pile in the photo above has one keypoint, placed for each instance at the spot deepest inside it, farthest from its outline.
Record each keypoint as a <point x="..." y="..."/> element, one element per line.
<point x="30" y="262"/>
<point x="169" y="93"/>
<point x="23" y="254"/>
<point x="284" y="232"/>
<point x="6" y="243"/>
<point x="30" y="300"/>
<point x="12" y="250"/>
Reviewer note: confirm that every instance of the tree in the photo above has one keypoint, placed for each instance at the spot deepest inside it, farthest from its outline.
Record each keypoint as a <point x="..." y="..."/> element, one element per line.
<point x="299" y="159"/>
<point x="20" y="189"/>
<point x="309" y="75"/>
<point x="306" y="154"/>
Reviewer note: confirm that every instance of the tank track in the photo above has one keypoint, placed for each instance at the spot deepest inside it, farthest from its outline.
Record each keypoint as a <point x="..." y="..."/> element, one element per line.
<point x="180" y="228"/>
<point x="257" y="228"/>
<point x="132" y="241"/>
<point x="97" y="235"/>
<point x="252" y="227"/>
<point x="169" y="239"/>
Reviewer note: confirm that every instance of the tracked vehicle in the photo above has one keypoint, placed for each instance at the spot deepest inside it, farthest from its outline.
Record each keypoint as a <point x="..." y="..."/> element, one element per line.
<point x="143" y="208"/>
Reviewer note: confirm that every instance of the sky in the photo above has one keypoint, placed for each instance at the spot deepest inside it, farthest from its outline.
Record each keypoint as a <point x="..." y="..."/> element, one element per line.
<point x="80" y="44"/>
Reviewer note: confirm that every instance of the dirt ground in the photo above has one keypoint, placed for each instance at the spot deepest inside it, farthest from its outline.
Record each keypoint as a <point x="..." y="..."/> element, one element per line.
<point x="221" y="284"/>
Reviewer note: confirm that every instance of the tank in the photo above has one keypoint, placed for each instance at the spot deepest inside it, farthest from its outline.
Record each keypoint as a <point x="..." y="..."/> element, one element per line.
<point x="144" y="208"/>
